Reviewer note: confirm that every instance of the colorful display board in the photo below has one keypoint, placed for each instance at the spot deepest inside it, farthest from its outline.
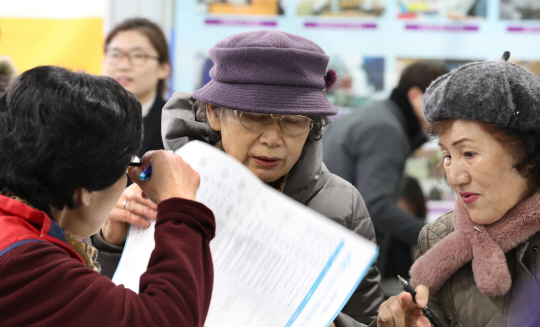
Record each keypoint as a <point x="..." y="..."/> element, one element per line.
<point x="369" y="43"/>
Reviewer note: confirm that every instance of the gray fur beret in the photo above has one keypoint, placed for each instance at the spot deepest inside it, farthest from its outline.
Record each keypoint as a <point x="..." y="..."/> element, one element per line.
<point x="493" y="92"/>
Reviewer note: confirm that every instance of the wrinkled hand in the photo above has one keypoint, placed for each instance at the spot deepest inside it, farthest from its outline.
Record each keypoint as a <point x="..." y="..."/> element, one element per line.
<point x="401" y="311"/>
<point x="137" y="211"/>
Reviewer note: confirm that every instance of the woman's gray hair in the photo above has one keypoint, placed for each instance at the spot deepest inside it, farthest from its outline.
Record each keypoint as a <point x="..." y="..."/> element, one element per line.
<point x="320" y="123"/>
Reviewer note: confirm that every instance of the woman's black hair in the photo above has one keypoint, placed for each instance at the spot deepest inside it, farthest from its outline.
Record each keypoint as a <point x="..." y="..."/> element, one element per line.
<point x="319" y="123"/>
<point x="60" y="130"/>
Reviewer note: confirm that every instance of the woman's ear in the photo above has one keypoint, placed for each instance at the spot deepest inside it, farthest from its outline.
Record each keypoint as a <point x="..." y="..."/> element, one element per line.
<point x="82" y="197"/>
<point x="212" y="113"/>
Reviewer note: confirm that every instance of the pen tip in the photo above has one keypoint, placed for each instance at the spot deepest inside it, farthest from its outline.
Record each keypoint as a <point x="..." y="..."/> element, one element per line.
<point x="402" y="280"/>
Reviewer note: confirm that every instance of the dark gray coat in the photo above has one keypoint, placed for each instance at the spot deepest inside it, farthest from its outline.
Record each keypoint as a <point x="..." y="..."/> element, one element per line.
<point x="309" y="182"/>
<point x="368" y="148"/>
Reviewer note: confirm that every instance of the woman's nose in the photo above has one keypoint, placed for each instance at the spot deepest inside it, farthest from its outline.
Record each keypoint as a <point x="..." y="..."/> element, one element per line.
<point x="272" y="134"/>
<point x="124" y="62"/>
<point x="457" y="174"/>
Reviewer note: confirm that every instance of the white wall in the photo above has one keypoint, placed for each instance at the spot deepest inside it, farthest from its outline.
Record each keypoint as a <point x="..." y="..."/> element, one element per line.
<point x="159" y="11"/>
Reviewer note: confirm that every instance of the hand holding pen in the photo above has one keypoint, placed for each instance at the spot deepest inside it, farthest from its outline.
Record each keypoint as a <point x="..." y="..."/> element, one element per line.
<point x="171" y="176"/>
<point x="427" y="312"/>
<point x="403" y="311"/>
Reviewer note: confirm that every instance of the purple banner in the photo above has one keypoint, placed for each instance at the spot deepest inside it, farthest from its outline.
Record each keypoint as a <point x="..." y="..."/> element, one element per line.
<point x="523" y="29"/>
<point x="239" y="22"/>
<point x="442" y="28"/>
<point x="370" y="26"/>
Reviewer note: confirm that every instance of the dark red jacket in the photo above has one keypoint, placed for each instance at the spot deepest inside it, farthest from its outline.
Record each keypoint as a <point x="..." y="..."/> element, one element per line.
<point x="43" y="282"/>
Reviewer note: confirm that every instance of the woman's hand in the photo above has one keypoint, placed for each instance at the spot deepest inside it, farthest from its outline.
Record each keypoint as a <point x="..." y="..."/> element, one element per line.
<point x="131" y="208"/>
<point x="401" y="311"/>
<point x="172" y="177"/>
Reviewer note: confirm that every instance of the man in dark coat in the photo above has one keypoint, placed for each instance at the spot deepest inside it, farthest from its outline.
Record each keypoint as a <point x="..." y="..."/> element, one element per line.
<point x="369" y="147"/>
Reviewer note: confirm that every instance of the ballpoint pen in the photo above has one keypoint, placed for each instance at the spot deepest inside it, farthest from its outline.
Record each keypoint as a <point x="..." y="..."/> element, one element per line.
<point x="407" y="287"/>
<point x="145" y="175"/>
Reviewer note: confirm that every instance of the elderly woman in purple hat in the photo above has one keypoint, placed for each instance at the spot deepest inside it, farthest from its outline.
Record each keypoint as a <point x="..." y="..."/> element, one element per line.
<point x="265" y="106"/>
<point x="479" y="265"/>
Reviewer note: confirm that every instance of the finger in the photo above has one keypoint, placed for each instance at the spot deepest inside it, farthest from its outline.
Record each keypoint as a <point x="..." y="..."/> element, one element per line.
<point x="423" y="321"/>
<point x="384" y="317"/>
<point x="399" y="313"/>
<point x="140" y="209"/>
<point x="140" y="198"/>
<point x="406" y="301"/>
<point x="134" y="172"/>
<point x="422" y="296"/>
<point x="128" y="217"/>
<point x="147" y="158"/>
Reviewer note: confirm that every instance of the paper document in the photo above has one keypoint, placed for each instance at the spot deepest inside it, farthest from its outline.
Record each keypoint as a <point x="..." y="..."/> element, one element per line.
<point x="276" y="262"/>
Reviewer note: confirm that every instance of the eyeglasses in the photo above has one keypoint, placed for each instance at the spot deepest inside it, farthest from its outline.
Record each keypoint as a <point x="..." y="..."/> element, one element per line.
<point x="291" y="125"/>
<point x="135" y="57"/>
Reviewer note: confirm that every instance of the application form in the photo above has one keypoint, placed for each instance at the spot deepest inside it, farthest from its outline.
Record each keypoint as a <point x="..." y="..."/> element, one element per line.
<point x="276" y="262"/>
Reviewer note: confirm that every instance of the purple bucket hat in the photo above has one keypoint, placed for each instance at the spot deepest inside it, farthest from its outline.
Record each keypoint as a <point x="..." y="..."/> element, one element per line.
<point x="269" y="72"/>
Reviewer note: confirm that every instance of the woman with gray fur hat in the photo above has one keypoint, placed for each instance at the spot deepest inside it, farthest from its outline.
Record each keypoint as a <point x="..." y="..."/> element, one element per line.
<point x="265" y="107"/>
<point x="479" y="265"/>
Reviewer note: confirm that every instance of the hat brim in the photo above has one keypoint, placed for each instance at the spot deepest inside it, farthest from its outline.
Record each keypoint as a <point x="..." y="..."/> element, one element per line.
<point x="268" y="99"/>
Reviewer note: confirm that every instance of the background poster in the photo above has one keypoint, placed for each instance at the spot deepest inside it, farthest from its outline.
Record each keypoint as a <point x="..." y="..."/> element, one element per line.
<point x="369" y="43"/>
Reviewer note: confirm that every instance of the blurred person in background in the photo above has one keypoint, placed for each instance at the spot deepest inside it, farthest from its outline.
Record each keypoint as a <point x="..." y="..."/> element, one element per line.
<point x="66" y="140"/>
<point x="8" y="73"/>
<point x="272" y="123"/>
<point x="369" y="148"/>
<point x="137" y="56"/>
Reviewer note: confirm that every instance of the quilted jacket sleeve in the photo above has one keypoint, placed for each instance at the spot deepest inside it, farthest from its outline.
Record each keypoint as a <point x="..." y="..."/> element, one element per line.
<point x="429" y="236"/>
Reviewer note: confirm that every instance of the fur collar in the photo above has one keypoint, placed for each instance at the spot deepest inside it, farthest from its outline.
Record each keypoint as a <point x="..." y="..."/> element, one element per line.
<point x="484" y="245"/>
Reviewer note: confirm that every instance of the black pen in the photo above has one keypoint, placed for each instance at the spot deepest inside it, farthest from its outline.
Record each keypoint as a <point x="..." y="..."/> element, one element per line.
<point x="425" y="309"/>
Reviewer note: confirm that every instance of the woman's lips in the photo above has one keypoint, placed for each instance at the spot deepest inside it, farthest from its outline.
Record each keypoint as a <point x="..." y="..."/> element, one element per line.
<point x="124" y="80"/>
<point x="468" y="197"/>
<point x="266" y="162"/>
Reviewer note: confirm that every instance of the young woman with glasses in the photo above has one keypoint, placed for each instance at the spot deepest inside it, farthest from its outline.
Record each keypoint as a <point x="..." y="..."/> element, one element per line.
<point x="137" y="56"/>
<point x="265" y="107"/>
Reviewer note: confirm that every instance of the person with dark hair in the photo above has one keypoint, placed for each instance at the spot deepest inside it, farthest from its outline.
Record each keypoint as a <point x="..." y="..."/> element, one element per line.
<point x="479" y="265"/>
<point x="270" y="117"/>
<point x="137" y="56"/>
<point x="66" y="140"/>
<point x="369" y="148"/>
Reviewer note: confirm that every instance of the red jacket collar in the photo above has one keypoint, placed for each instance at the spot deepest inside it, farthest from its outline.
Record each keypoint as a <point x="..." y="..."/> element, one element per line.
<point x="19" y="222"/>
